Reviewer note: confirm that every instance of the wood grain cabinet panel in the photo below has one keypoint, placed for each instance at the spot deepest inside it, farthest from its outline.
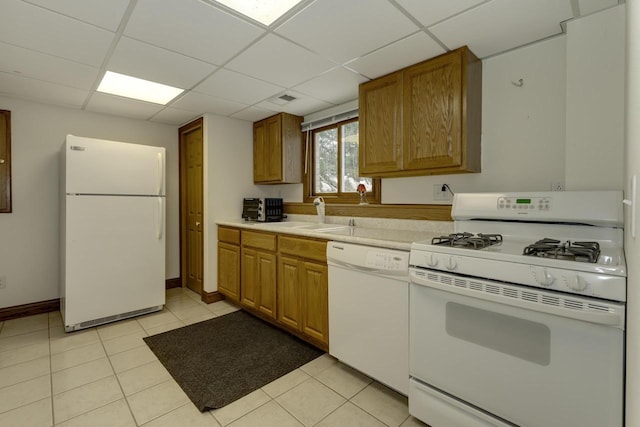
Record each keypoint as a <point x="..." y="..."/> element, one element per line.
<point x="277" y="150"/>
<point x="315" y="301"/>
<point x="229" y="270"/>
<point x="289" y="293"/>
<point x="259" y="267"/>
<point x="439" y="107"/>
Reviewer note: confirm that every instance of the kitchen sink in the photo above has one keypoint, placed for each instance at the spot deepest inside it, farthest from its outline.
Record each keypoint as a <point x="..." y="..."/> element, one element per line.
<point x="324" y="227"/>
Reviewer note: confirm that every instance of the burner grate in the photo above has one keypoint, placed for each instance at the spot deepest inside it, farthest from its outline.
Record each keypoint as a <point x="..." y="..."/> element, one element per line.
<point x="468" y="240"/>
<point x="571" y="251"/>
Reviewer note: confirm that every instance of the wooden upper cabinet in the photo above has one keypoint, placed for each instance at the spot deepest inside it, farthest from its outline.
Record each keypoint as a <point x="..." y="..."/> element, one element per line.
<point x="380" y="125"/>
<point x="277" y="150"/>
<point x="440" y="105"/>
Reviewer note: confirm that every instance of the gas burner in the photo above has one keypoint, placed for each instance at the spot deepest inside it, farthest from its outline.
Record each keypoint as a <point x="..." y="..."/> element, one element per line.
<point x="572" y="251"/>
<point x="468" y="240"/>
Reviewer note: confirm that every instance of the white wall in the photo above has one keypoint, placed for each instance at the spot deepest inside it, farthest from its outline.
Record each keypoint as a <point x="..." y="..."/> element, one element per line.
<point x="522" y="128"/>
<point x="632" y="244"/>
<point x="228" y="177"/>
<point x="595" y="100"/>
<point x="29" y="240"/>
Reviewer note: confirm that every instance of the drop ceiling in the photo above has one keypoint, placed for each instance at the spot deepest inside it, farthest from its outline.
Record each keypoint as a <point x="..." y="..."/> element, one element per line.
<point x="56" y="51"/>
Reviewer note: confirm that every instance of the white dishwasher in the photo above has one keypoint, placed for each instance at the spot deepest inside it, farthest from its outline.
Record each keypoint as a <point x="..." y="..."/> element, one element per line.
<point x="369" y="311"/>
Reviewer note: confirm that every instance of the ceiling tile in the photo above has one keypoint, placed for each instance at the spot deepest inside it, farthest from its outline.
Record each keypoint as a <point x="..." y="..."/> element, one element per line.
<point x="29" y="63"/>
<point x="344" y="30"/>
<point x="503" y="24"/>
<point x="276" y="60"/>
<point x="301" y="106"/>
<point x="430" y="12"/>
<point x="39" y="91"/>
<point x="253" y="114"/>
<point x="32" y="27"/>
<point x="148" y="62"/>
<point x="336" y="86"/>
<point x="105" y="14"/>
<point x="591" y="6"/>
<point x="192" y="28"/>
<point x="118" y="106"/>
<point x="403" y="53"/>
<point x="201" y="103"/>
<point x="231" y="85"/>
<point x="174" y="116"/>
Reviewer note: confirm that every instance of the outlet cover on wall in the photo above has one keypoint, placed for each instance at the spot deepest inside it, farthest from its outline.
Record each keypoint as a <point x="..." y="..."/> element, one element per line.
<point x="3" y="282"/>
<point x="439" y="194"/>
<point x="557" y="186"/>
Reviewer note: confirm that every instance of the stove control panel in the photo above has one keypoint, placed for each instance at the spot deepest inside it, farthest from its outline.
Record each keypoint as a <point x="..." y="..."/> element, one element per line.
<point x="525" y="204"/>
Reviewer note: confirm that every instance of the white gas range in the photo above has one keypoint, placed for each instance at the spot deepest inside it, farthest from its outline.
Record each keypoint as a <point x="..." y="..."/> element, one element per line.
<point x="518" y="317"/>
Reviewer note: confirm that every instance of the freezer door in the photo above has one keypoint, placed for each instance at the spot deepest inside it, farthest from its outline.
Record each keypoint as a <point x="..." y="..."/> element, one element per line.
<point x="114" y="256"/>
<point x="96" y="166"/>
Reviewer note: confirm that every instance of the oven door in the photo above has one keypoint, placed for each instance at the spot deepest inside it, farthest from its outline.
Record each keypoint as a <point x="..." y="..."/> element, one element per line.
<point x="530" y="357"/>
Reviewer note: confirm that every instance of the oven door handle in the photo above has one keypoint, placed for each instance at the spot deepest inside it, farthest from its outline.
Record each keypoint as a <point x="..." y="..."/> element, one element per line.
<point x="614" y="319"/>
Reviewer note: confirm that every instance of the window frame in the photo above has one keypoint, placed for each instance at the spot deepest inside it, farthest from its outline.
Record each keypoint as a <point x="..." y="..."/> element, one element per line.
<point x="373" y="197"/>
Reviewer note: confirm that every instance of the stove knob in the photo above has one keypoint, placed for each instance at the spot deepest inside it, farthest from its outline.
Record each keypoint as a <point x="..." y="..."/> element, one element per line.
<point x="578" y="283"/>
<point x="451" y="263"/>
<point x="543" y="277"/>
<point x="432" y="261"/>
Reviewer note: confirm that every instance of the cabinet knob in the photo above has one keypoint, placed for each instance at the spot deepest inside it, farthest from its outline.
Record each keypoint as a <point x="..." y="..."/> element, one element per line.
<point x="1" y="161"/>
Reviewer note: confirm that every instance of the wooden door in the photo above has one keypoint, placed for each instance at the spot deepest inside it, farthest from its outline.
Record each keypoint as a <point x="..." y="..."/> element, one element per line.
<point x="5" y="161"/>
<point x="315" y="301"/>
<point x="191" y="201"/>
<point x="380" y="123"/>
<point x="267" y="283"/>
<point x="249" y="290"/>
<point x="433" y="113"/>
<point x="229" y="270"/>
<point x="260" y="150"/>
<point x="289" y="297"/>
<point x="273" y="155"/>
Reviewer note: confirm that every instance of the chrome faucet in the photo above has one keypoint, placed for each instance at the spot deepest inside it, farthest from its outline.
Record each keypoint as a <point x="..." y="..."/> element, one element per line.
<point x="318" y="202"/>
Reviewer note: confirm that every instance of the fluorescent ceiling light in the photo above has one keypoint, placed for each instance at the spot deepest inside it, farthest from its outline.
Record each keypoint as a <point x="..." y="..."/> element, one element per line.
<point x="132" y="87"/>
<point x="264" y="11"/>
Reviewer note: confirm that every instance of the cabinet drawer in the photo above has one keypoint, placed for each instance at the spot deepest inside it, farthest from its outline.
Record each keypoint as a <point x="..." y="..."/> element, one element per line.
<point x="259" y="240"/>
<point x="229" y="235"/>
<point x="305" y="248"/>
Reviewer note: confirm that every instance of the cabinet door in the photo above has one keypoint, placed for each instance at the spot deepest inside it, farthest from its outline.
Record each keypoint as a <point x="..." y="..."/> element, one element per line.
<point x="289" y="293"/>
<point x="380" y="109"/>
<point x="315" y="306"/>
<point x="433" y="113"/>
<point x="267" y="283"/>
<point x="259" y="150"/>
<point x="229" y="270"/>
<point x="273" y="155"/>
<point x="249" y="290"/>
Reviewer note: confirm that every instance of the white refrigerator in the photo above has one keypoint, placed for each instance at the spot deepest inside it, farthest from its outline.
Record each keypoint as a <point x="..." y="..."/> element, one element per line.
<point x="112" y="231"/>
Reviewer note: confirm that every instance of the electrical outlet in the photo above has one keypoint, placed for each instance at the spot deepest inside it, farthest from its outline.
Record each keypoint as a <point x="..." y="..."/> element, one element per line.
<point x="557" y="186"/>
<point x="3" y="282"/>
<point x="440" y="194"/>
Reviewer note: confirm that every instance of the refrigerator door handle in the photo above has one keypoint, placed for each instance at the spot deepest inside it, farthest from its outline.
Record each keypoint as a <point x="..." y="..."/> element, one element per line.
<point x="160" y="173"/>
<point x="160" y="225"/>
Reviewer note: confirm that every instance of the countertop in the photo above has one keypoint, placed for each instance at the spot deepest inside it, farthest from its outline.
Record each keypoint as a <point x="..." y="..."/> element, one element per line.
<point x="381" y="235"/>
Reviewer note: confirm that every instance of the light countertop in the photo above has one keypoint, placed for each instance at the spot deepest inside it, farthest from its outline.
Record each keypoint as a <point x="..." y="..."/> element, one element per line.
<point x="378" y="232"/>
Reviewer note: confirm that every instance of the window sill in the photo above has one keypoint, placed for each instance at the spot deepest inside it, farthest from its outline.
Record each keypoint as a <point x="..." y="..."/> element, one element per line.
<point x="419" y="212"/>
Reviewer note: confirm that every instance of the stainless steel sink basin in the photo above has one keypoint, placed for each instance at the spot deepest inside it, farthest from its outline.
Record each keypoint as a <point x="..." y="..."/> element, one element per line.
<point x="324" y="227"/>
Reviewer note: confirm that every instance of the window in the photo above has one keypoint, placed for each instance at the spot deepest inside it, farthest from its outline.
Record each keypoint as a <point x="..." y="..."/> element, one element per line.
<point x="5" y="161"/>
<point x="332" y="168"/>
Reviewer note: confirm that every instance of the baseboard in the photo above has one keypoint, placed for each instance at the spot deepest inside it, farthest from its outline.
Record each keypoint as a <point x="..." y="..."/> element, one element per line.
<point x="29" y="309"/>
<point x="24" y="310"/>
<point x="176" y="282"/>
<point x="211" y="297"/>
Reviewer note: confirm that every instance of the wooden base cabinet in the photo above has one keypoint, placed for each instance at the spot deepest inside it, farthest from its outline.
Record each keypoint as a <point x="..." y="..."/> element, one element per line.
<point x="303" y="287"/>
<point x="229" y="263"/>
<point x="258" y="277"/>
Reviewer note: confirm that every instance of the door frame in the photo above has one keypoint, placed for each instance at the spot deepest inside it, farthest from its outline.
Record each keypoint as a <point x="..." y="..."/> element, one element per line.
<point x="182" y="131"/>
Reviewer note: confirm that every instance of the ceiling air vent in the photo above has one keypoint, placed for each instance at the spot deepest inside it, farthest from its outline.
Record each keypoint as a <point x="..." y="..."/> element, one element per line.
<point x="282" y="99"/>
<point x="287" y="98"/>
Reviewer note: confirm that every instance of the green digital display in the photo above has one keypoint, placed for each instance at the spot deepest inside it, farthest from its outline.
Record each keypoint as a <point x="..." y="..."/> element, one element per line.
<point x="523" y="201"/>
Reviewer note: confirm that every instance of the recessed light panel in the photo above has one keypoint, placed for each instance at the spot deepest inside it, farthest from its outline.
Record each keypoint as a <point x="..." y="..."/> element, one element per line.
<point x="133" y="87"/>
<point x="264" y="11"/>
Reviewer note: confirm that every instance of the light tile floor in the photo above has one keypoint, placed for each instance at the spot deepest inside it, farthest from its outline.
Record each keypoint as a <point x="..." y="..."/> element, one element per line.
<point x="107" y="376"/>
